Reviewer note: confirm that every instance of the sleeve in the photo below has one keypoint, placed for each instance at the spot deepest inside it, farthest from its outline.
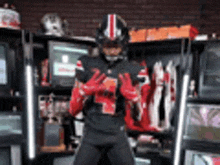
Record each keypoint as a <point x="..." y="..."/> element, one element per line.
<point x="77" y="99"/>
<point x="140" y="121"/>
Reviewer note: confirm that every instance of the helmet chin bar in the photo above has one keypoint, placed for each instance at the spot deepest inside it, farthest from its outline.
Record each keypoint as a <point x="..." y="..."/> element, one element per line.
<point x="112" y="58"/>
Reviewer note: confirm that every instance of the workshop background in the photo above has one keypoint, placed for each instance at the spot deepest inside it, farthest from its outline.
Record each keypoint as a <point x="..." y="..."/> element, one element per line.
<point x="84" y="16"/>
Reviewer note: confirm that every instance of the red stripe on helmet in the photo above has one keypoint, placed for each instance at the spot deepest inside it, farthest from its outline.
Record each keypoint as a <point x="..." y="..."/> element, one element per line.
<point x="112" y="26"/>
<point x="79" y="63"/>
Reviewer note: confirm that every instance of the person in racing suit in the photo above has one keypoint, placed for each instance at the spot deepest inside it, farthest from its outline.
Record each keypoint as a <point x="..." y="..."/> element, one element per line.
<point x="111" y="92"/>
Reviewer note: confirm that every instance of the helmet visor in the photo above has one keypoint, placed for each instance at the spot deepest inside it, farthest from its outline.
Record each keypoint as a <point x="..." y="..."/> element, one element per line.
<point x="111" y="44"/>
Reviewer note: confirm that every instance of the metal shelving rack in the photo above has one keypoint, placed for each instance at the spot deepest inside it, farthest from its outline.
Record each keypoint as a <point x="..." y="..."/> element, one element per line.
<point x="180" y="49"/>
<point x="20" y="53"/>
<point x="183" y="142"/>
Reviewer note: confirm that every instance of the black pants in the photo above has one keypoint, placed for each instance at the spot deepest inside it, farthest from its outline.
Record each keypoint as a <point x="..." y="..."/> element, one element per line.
<point x="116" y="147"/>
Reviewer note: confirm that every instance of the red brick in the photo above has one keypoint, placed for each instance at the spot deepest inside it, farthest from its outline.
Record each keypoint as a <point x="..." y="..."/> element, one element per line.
<point x="84" y="15"/>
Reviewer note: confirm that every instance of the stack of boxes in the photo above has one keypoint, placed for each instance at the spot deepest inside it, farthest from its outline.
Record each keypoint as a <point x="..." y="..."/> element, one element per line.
<point x="163" y="33"/>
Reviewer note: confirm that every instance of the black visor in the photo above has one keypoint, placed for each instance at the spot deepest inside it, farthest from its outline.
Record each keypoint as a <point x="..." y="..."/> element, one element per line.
<point x="111" y="44"/>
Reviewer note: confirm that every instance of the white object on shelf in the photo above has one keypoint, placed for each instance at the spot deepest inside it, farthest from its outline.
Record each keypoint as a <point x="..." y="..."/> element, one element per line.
<point x="9" y="19"/>
<point x="201" y="37"/>
<point x="84" y="38"/>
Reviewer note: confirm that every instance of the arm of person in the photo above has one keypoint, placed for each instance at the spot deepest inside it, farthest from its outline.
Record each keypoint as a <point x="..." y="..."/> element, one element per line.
<point x="82" y="90"/>
<point x="77" y="100"/>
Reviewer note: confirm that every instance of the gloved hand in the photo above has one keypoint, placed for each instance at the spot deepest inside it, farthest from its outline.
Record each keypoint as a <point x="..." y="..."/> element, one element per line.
<point x="127" y="89"/>
<point x="94" y="84"/>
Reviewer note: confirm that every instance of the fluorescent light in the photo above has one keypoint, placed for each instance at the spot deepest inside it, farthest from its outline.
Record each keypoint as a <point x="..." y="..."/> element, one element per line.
<point x="30" y="113"/>
<point x="177" y="150"/>
<point x="71" y="49"/>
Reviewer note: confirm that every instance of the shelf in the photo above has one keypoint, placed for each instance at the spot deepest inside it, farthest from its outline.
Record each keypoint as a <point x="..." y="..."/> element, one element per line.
<point x="200" y="45"/>
<point x="12" y="97"/>
<point x="195" y="42"/>
<point x="157" y="135"/>
<point x="47" y="158"/>
<point x="201" y="145"/>
<point x="172" y="45"/>
<point x="55" y="90"/>
<point x="203" y="101"/>
<point x="60" y="153"/>
<point x="160" y="42"/>
<point x="155" y="158"/>
<point x="11" y="32"/>
<point x="74" y="39"/>
<point x="11" y="139"/>
<point x="172" y="41"/>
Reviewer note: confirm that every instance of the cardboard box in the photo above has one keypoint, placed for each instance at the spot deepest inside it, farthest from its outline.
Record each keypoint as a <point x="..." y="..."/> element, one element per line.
<point x="185" y="31"/>
<point x="163" y="33"/>
<point x="138" y="35"/>
<point x="151" y="34"/>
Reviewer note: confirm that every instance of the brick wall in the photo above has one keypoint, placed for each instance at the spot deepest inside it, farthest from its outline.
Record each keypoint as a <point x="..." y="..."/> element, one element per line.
<point x="84" y="15"/>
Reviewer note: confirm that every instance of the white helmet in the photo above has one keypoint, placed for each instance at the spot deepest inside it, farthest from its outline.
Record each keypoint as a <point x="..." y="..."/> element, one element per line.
<point x="52" y="24"/>
<point x="113" y="30"/>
